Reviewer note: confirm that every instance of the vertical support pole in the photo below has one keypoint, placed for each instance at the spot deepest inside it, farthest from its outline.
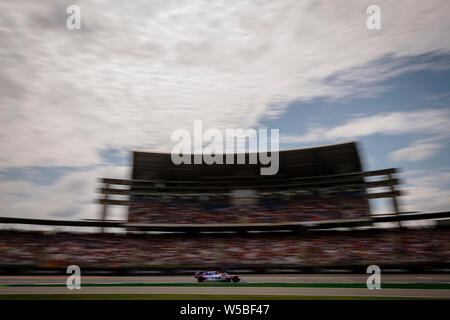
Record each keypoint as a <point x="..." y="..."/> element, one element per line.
<point x="394" y="198"/>
<point x="105" y="208"/>
<point x="394" y="201"/>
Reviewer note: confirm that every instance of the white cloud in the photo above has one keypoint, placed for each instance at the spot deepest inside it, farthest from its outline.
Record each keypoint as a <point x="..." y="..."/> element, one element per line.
<point x="416" y="152"/>
<point x="433" y="122"/>
<point x="426" y="190"/>
<point x="136" y="71"/>
<point x="70" y="197"/>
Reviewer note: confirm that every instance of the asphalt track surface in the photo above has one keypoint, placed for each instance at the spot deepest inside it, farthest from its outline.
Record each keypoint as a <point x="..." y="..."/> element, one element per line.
<point x="291" y="278"/>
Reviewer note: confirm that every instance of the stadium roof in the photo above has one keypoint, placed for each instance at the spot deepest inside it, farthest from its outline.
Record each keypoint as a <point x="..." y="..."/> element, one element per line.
<point x="327" y="160"/>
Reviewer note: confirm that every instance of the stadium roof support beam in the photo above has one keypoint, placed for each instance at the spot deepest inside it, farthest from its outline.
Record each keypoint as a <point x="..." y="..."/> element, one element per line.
<point x="382" y="183"/>
<point x="388" y="181"/>
<point x="113" y="202"/>
<point x="412" y="217"/>
<point x="379" y="195"/>
<point x="107" y="190"/>
<point x="65" y="223"/>
<point x="380" y="172"/>
<point x="108" y="181"/>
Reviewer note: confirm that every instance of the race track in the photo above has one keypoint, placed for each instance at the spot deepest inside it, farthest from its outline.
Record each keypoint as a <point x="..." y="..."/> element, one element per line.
<point x="251" y="278"/>
<point x="24" y="285"/>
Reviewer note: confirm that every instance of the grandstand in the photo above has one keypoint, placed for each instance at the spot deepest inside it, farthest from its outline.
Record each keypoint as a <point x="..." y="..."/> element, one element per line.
<point x="313" y="214"/>
<point x="320" y="184"/>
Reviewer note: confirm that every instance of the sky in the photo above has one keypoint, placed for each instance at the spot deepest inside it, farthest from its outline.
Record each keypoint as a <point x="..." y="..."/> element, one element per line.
<point x="75" y="102"/>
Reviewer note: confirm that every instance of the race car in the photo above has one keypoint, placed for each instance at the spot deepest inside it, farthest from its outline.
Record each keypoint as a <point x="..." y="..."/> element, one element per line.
<point x="216" y="276"/>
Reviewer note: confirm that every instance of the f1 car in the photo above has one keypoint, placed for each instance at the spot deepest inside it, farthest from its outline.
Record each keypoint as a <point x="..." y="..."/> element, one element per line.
<point x="217" y="276"/>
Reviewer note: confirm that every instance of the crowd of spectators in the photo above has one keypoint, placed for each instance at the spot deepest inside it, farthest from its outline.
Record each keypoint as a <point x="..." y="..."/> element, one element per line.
<point x="300" y="249"/>
<point x="185" y="212"/>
